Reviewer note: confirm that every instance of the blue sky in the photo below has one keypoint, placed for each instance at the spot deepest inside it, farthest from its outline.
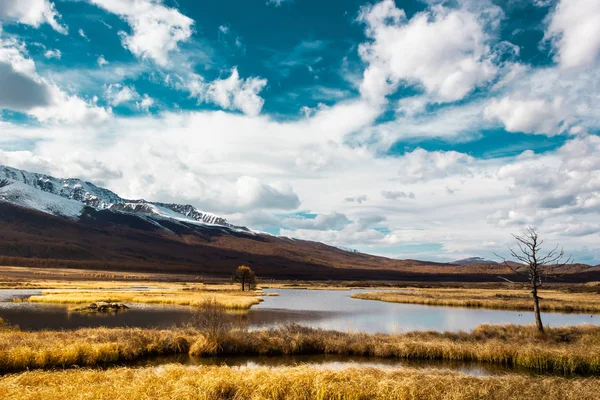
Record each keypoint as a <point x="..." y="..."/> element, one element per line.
<point x="414" y="129"/>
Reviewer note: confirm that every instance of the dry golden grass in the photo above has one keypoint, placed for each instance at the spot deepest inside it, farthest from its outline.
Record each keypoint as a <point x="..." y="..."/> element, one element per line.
<point x="295" y="383"/>
<point x="233" y="300"/>
<point x="561" y="350"/>
<point x="511" y="299"/>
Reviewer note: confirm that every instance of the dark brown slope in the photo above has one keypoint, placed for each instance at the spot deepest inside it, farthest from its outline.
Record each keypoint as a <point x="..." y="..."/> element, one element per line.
<point x="114" y="241"/>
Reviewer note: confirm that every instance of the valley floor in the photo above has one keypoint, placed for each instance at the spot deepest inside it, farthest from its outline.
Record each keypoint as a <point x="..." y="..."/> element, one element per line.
<point x="98" y="363"/>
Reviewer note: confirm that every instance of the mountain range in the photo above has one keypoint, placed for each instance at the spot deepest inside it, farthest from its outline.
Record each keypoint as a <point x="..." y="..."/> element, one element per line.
<point x="55" y="222"/>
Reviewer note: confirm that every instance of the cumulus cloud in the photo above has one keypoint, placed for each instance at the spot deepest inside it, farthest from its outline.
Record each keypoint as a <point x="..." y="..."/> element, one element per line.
<point x="256" y="219"/>
<point x="26" y="91"/>
<point x="443" y="50"/>
<point x="53" y="54"/>
<point x="102" y="61"/>
<point x="117" y="94"/>
<point x="234" y="93"/>
<point x="145" y="103"/>
<point x="356" y="199"/>
<point x="24" y="160"/>
<point x="22" y="88"/>
<point x="565" y="183"/>
<point x="395" y="194"/>
<point x="422" y="165"/>
<point x="331" y="221"/>
<point x="252" y="193"/>
<point x="31" y="12"/>
<point x="537" y="116"/>
<point x="156" y="29"/>
<point x="574" y="29"/>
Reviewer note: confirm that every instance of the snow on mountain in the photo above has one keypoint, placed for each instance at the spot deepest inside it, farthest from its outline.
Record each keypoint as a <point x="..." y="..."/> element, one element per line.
<point x="26" y="196"/>
<point x="68" y="196"/>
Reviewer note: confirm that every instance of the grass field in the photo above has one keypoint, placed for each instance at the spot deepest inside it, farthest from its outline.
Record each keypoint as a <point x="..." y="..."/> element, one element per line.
<point x="511" y="299"/>
<point x="561" y="350"/>
<point x="295" y="383"/>
<point x="233" y="300"/>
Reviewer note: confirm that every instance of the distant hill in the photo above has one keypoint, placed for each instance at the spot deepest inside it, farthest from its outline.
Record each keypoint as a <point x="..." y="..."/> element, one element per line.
<point x="52" y="222"/>
<point x="473" y="260"/>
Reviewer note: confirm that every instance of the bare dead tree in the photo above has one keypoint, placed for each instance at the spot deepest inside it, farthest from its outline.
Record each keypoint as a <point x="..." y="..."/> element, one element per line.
<point x="537" y="265"/>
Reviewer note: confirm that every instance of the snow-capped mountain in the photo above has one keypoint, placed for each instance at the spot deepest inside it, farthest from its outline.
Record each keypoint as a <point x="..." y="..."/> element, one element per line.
<point x="69" y="197"/>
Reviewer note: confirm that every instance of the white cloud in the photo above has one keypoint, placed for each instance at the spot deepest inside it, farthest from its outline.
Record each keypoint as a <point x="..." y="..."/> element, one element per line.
<point x="117" y="94"/>
<point x="53" y="54"/>
<point x="396" y="194"/>
<point x="422" y="165"/>
<point x="81" y="33"/>
<point x="157" y="30"/>
<point x="31" y="12"/>
<point x="358" y="199"/>
<point x="22" y="88"/>
<point x="234" y="93"/>
<point x="564" y="183"/>
<point x="69" y="109"/>
<point x="24" y="160"/>
<point x="574" y="29"/>
<point x="277" y="3"/>
<point x="530" y="116"/>
<point x="102" y="61"/>
<point x="444" y="50"/>
<point x="331" y="221"/>
<point x="145" y="103"/>
<point x="26" y="91"/>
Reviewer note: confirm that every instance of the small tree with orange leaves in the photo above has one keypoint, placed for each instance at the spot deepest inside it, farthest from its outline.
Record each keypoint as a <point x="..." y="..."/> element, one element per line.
<point x="245" y="276"/>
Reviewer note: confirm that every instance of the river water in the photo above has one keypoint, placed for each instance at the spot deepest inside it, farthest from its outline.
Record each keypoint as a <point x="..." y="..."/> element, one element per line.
<point x="327" y="309"/>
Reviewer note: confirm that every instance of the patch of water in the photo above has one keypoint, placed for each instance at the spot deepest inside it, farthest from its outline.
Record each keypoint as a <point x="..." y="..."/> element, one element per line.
<point x="326" y="309"/>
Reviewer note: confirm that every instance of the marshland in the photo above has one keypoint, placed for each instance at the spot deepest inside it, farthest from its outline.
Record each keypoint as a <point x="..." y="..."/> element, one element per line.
<point x="279" y="339"/>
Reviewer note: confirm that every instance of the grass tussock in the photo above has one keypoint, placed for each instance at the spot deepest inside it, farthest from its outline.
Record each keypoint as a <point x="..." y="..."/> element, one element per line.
<point x="572" y="350"/>
<point x="85" y="347"/>
<point x="298" y="383"/>
<point x="232" y="300"/>
<point x="509" y="299"/>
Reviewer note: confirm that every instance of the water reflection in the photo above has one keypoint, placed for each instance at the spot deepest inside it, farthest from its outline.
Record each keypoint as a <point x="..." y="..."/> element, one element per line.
<point x="335" y="362"/>
<point x="328" y="309"/>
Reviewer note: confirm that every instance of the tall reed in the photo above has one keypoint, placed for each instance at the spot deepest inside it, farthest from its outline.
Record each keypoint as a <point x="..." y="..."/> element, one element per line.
<point x="551" y="300"/>
<point x="571" y="350"/>
<point x="294" y="383"/>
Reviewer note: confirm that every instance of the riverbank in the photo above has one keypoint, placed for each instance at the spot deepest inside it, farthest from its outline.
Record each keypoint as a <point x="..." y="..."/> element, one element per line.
<point x="507" y="299"/>
<point x="298" y="383"/>
<point x="570" y="350"/>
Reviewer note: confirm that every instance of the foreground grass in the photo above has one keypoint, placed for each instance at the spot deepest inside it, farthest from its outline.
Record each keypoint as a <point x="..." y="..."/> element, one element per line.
<point x="561" y="350"/>
<point x="298" y="383"/>
<point x="233" y="300"/>
<point x="510" y="299"/>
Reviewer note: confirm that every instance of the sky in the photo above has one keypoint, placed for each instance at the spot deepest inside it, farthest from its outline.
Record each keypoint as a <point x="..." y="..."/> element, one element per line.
<point x="424" y="129"/>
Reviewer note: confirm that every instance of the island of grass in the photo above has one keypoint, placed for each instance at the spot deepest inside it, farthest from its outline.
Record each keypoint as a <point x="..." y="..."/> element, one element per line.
<point x="182" y="295"/>
<point x="554" y="300"/>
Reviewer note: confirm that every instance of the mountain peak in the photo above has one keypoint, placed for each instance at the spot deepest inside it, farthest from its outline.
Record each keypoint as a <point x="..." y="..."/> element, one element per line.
<point x="69" y="196"/>
<point x="473" y="260"/>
